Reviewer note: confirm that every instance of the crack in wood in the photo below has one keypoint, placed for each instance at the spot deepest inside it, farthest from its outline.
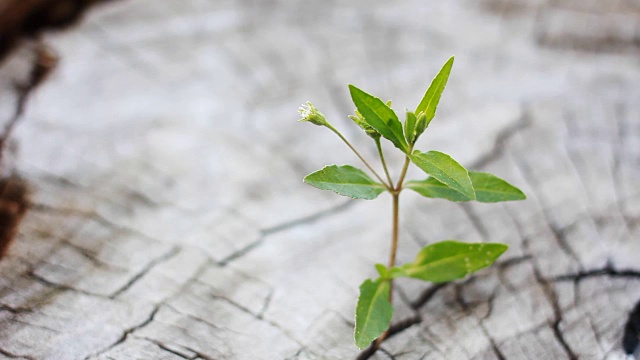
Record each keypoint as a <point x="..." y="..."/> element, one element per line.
<point x="386" y="352"/>
<point x="152" y="264"/>
<point x="13" y="310"/>
<point x="283" y="227"/>
<point x="128" y="332"/>
<point x="427" y="295"/>
<point x="37" y="326"/>
<point x="267" y="302"/>
<point x="44" y="62"/>
<point x="258" y="317"/>
<point x="559" y="236"/>
<point x="91" y="256"/>
<point x="191" y="317"/>
<point x="61" y="287"/>
<point x="474" y="219"/>
<point x="606" y="271"/>
<point x="297" y="354"/>
<point x="14" y="356"/>
<point x="394" y="330"/>
<point x="14" y="192"/>
<point x="89" y="215"/>
<point x="550" y="293"/>
<point x="309" y="219"/>
<point x="169" y="350"/>
<point x="631" y="337"/>
<point x="466" y="307"/>
<point x="503" y="138"/>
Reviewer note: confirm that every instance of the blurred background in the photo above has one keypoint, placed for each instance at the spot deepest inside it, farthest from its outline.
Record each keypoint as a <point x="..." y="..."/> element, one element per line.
<point x="167" y="218"/>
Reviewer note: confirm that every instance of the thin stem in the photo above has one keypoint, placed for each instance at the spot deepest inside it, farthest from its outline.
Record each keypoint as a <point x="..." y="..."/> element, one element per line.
<point x="388" y="186"/>
<point x="394" y="239"/>
<point x="384" y="163"/>
<point x="403" y="173"/>
<point x="394" y="235"/>
<point x="392" y="256"/>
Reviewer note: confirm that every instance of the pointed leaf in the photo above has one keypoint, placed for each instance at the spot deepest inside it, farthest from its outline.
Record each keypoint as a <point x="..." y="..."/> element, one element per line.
<point x="450" y="260"/>
<point x="373" y="312"/>
<point x="446" y="170"/>
<point x="431" y="98"/>
<point x="421" y="124"/>
<point x="433" y="188"/>
<point x="345" y="180"/>
<point x="410" y="127"/>
<point x="383" y="271"/>
<point x="488" y="187"/>
<point x="380" y="116"/>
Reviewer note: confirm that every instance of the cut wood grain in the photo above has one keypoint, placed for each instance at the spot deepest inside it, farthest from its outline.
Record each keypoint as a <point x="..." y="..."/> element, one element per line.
<point x="169" y="220"/>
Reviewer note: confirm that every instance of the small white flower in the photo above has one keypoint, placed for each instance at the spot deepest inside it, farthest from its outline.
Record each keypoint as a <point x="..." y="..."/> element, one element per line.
<point x="309" y="113"/>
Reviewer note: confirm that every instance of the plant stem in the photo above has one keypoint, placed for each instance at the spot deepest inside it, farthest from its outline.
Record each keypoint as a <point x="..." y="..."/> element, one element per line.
<point x="403" y="173"/>
<point x="384" y="163"/>
<point x="394" y="240"/>
<point x="389" y="186"/>
<point x="394" y="234"/>
<point x="395" y="216"/>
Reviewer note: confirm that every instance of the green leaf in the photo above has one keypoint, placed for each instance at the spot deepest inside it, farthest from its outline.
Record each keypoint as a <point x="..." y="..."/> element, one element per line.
<point x="431" y="98"/>
<point x="433" y="188"/>
<point x="446" y="170"/>
<point x="421" y="124"/>
<point x="383" y="271"/>
<point x="449" y="260"/>
<point x="380" y="116"/>
<point x="345" y="180"/>
<point x="373" y="312"/>
<point x="488" y="187"/>
<point x="410" y="127"/>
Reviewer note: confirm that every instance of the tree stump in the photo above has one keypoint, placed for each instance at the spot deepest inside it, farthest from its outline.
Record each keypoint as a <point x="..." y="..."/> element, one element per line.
<point x="167" y="217"/>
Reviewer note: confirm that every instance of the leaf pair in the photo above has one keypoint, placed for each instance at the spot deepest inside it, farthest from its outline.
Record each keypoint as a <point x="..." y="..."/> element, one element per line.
<point x="440" y="262"/>
<point x="449" y="180"/>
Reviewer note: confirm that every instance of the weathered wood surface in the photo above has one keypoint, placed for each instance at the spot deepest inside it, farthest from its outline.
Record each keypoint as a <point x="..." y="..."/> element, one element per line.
<point x="169" y="220"/>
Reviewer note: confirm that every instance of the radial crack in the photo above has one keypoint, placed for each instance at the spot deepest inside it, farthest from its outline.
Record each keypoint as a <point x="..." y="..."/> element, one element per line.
<point x="394" y="329"/>
<point x="169" y="350"/>
<point x="308" y="219"/>
<point x="502" y="138"/>
<point x="170" y="254"/>
<point x="548" y="290"/>
<point x="282" y="227"/>
<point x="127" y="332"/>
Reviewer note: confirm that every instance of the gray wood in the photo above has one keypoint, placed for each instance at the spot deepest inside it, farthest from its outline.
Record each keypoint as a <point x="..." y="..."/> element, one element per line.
<point x="169" y="219"/>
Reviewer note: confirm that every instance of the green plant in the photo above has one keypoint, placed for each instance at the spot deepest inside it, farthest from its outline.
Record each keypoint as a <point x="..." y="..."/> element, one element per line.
<point x="440" y="262"/>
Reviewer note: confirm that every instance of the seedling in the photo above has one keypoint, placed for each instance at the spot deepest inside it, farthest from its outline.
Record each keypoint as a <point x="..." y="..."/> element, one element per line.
<point x="439" y="262"/>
